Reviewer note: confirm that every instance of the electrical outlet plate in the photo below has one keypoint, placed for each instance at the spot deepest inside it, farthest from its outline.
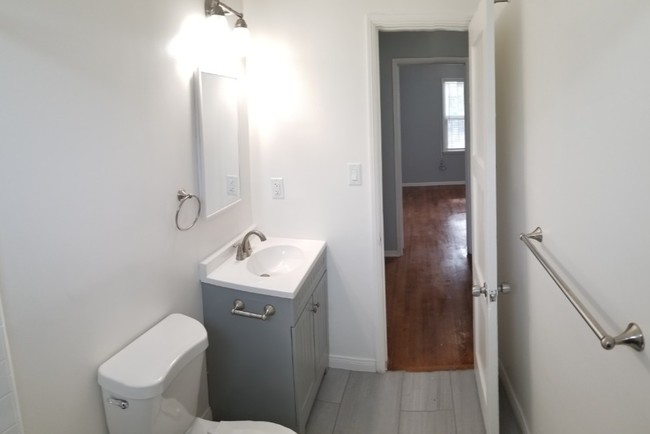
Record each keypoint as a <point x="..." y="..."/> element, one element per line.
<point x="277" y="188"/>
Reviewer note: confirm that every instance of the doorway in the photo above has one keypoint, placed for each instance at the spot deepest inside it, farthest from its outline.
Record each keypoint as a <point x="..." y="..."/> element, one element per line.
<point x="427" y="272"/>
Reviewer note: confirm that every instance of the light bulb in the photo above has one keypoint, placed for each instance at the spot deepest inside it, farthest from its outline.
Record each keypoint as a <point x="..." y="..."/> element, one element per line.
<point x="216" y="28"/>
<point x="241" y="39"/>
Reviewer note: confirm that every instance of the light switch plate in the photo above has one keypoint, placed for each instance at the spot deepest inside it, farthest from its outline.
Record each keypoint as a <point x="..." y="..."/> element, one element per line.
<point x="354" y="173"/>
<point x="232" y="185"/>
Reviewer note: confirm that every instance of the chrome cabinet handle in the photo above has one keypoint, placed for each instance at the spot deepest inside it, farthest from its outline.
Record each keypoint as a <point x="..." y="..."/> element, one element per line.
<point x="239" y="307"/>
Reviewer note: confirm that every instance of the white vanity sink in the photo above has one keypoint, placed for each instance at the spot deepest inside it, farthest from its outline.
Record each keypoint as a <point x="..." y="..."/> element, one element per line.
<point x="275" y="260"/>
<point x="277" y="266"/>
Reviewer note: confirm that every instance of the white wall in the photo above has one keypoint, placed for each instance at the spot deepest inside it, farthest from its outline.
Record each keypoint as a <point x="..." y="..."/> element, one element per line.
<point x="573" y="134"/>
<point x="10" y="419"/>
<point x="96" y="138"/>
<point x="310" y="115"/>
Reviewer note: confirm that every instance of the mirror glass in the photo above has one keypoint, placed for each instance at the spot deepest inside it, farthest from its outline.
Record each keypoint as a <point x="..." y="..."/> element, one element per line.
<point x="217" y="105"/>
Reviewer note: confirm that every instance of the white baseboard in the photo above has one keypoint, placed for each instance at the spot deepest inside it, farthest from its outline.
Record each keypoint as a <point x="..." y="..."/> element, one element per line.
<point x="392" y="253"/>
<point x="431" y="184"/>
<point x="514" y="402"/>
<point x="353" y="363"/>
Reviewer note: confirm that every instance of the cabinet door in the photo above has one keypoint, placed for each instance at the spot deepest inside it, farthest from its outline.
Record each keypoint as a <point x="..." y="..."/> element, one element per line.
<point x="321" y="333"/>
<point x="302" y="335"/>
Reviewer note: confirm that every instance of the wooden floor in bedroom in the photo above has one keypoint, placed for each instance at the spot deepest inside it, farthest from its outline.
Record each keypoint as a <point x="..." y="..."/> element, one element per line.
<point x="428" y="289"/>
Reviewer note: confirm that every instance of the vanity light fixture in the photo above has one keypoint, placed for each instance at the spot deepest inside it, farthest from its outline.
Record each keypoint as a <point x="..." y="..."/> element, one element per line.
<point x="216" y="10"/>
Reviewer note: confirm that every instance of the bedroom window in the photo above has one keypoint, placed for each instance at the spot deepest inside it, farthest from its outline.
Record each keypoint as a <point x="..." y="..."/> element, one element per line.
<point x="453" y="123"/>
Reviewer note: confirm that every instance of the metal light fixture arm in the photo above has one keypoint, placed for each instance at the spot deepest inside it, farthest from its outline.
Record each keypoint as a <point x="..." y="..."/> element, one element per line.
<point x="213" y="7"/>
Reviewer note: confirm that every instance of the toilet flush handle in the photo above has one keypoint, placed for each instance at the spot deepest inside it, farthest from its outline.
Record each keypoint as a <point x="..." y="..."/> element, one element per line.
<point x="123" y="404"/>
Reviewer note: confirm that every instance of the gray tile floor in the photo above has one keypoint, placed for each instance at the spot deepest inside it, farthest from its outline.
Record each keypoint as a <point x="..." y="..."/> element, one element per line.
<point x="401" y="403"/>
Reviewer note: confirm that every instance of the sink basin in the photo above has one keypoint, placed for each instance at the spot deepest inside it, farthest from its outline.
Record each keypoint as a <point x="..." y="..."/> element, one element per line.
<point x="277" y="266"/>
<point x="275" y="260"/>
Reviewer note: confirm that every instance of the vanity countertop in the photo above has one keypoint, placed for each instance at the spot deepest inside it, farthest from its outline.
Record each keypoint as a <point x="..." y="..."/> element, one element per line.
<point x="291" y="260"/>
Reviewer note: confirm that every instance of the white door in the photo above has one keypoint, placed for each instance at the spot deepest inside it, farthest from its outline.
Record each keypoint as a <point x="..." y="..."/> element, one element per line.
<point x="483" y="205"/>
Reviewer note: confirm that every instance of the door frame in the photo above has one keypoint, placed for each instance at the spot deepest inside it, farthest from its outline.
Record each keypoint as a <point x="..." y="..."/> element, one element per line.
<point x="376" y="23"/>
<point x="397" y="138"/>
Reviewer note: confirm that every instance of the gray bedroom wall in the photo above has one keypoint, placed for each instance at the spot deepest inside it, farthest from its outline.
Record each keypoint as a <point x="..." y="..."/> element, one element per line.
<point x="423" y="160"/>
<point x="401" y="45"/>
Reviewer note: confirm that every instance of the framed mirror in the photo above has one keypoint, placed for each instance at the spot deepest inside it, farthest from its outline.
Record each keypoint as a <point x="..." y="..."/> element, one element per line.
<point x="217" y="106"/>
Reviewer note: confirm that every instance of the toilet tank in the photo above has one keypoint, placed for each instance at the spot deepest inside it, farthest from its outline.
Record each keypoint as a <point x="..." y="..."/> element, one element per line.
<point x="152" y="385"/>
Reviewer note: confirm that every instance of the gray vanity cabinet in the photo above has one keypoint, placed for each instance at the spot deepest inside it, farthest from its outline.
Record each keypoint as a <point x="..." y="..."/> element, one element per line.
<point x="310" y="349"/>
<point x="267" y="370"/>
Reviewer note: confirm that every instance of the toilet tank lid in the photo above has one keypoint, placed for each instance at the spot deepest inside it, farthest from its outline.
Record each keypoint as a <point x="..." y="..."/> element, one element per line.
<point x="145" y="367"/>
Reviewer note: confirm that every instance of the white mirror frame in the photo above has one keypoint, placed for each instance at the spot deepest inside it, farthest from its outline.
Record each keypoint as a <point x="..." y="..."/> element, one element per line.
<point x="217" y="133"/>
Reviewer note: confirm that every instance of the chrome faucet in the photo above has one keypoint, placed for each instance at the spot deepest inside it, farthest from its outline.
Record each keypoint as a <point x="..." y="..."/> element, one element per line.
<point x="244" y="249"/>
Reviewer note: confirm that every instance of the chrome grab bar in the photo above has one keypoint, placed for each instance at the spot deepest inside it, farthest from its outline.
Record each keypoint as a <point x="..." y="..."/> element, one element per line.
<point x="239" y="307"/>
<point x="632" y="336"/>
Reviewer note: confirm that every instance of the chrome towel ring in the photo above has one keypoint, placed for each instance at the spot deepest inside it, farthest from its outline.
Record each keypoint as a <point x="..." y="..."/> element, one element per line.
<point x="183" y="197"/>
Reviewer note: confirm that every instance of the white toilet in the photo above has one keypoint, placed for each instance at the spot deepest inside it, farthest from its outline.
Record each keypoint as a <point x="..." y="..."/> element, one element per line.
<point x="152" y="385"/>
